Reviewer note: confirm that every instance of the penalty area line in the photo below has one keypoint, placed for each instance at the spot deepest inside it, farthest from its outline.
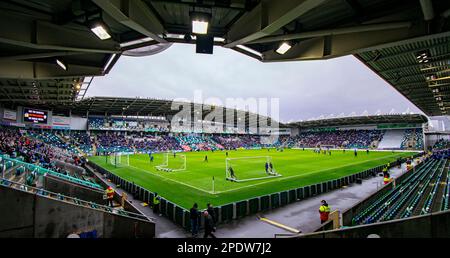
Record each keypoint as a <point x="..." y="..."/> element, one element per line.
<point x="282" y="178"/>
<point x="172" y="180"/>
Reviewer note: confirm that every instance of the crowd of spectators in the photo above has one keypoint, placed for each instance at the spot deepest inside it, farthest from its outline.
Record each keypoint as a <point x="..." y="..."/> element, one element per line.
<point x="360" y="139"/>
<point x="412" y="139"/>
<point x="441" y="144"/>
<point x="198" y="143"/>
<point x="80" y="139"/>
<point x="439" y="154"/>
<point x="107" y="142"/>
<point x="67" y="143"/>
<point x="231" y="142"/>
<point x="22" y="143"/>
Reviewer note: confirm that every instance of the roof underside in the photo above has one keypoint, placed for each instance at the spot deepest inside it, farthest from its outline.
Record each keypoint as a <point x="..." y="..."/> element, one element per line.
<point x="384" y="34"/>
<point x="158" y="107"/>
<point x="362" y="120"/>
<point x="427" y="85"/>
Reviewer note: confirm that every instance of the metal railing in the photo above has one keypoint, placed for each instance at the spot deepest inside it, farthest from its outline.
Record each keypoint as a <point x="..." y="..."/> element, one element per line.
<point x="43" y="171"/>
<point x="72" y="200"/>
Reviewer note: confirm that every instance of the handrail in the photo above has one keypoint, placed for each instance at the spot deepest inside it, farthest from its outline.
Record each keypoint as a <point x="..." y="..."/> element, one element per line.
<point x="43" y="171"/>
<point x="76" y="201"/>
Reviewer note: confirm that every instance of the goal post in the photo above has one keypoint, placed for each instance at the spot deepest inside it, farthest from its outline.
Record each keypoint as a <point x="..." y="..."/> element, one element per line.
<point x="172" y="163"/>
<point x="327" y="147"/>
<point x="119" y="159"/>
<point x="245" y="169"/>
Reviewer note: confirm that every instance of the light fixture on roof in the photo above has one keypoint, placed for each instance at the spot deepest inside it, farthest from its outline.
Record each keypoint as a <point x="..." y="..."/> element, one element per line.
<point x="200" y="22"/>
<point x="99" y="28"/>
<point x="423" y="56"/>
<point x="283" y="48"/>
<point x="61" y="64"/>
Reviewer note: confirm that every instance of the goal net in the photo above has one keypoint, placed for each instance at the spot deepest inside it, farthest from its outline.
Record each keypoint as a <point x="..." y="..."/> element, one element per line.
<point x="119" y="159"/>
<point x="250" y="168"/>
<point x="327" y="147"/>
<point x="172" y="163"/>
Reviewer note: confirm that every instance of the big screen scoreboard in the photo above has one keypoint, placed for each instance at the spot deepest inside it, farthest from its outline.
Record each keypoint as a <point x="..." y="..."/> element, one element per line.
<point x="35" y="116"/>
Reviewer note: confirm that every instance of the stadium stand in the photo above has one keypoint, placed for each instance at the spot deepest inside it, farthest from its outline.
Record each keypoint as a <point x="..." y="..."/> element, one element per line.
<point x="392" y="139"/>
<point x="415" y="195"/>
<point x="358" y="139"/>
<point x="79" y="139"/>
<point x="412" y="139"/>
<point x="441" y="144"/>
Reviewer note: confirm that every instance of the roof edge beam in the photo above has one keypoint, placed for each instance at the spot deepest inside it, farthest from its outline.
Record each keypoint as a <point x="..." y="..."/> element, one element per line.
<point x="267" y="18"/>
<point x="338" y="31"/>
<point x="135" y="15"/>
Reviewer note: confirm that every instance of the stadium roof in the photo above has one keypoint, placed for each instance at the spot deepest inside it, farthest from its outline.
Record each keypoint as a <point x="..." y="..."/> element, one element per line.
<point x="424" y="81"/>
<point x="151" y="107"/>
<point x="361" y="120"/>
<point x="384" y="34"/>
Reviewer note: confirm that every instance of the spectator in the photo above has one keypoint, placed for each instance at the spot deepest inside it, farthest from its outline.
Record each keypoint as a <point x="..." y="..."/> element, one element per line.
<point x="212" y="213"/>
<point x="156" y="204"/>
<point x="109" y="192"/>
<point x="209" y="225"/>
<point x="194" y="220"/>
<point x="324" y="212"/>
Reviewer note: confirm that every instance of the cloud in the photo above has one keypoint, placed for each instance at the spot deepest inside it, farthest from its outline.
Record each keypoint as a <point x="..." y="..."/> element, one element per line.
<point x="305" y="89"/>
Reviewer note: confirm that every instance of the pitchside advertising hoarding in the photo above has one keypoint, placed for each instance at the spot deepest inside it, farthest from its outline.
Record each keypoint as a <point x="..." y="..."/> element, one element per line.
<point x="60" y="122"/>
<point x="35" y="116"/>
<point x="10" y="115"/>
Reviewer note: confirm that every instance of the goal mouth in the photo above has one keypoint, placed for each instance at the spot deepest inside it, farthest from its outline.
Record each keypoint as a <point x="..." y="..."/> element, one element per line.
<point x="172" y="163"/>
<point x="252" y="179"/>
<point x="327" y="146"/>
<point x="245" y="169"/>
<point x="119" y="159"/>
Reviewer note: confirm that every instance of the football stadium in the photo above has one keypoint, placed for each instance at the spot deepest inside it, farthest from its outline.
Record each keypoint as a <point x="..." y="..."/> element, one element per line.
<point x="77" y="162"/>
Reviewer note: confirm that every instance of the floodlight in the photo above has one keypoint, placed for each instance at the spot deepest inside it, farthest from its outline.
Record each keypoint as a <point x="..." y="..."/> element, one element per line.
<point x="199" y="27"/>
<point x="283" y="48"/>
<point x="100" y="30"/>
<point x="200" y="22"/>
<point x="61" y="64"/>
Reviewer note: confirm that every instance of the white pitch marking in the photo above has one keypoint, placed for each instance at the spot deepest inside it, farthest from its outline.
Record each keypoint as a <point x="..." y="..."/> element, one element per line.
<point x="314" y="172"/>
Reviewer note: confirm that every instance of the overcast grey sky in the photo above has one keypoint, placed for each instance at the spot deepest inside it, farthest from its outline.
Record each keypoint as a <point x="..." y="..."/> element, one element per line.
<point x="306" y="89"/>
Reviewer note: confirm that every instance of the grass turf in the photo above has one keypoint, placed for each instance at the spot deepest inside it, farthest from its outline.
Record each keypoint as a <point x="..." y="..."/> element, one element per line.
<point x="297" y="167"/>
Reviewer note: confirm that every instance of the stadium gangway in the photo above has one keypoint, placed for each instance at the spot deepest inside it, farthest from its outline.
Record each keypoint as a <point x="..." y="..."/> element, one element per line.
<point x="412" y="204"/>
<point x="431" y="197"/>
<point x="43" y="171"/>
<point x="428" y="189"/>
<point x="415" y="201"/>
<point x="392" y="212"/>
<point x="446" y="196"/>
<point x="73" y="200"/>
<point x="364" y="214"/>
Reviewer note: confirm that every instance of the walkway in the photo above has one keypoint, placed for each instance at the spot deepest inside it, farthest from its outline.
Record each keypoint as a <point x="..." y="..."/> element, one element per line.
<point x="302" y="215"/>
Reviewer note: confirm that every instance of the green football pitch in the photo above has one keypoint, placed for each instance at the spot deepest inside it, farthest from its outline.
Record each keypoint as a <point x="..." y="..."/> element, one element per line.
<point x="194" y="184"/>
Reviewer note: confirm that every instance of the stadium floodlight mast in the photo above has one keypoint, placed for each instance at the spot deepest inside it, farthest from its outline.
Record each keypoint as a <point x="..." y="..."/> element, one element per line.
<point x="283" y="48"/>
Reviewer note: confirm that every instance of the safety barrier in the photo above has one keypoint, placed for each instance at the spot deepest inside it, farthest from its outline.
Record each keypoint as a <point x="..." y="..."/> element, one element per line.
<point x="228" y="212"/>
<point x="10" y="162"/>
